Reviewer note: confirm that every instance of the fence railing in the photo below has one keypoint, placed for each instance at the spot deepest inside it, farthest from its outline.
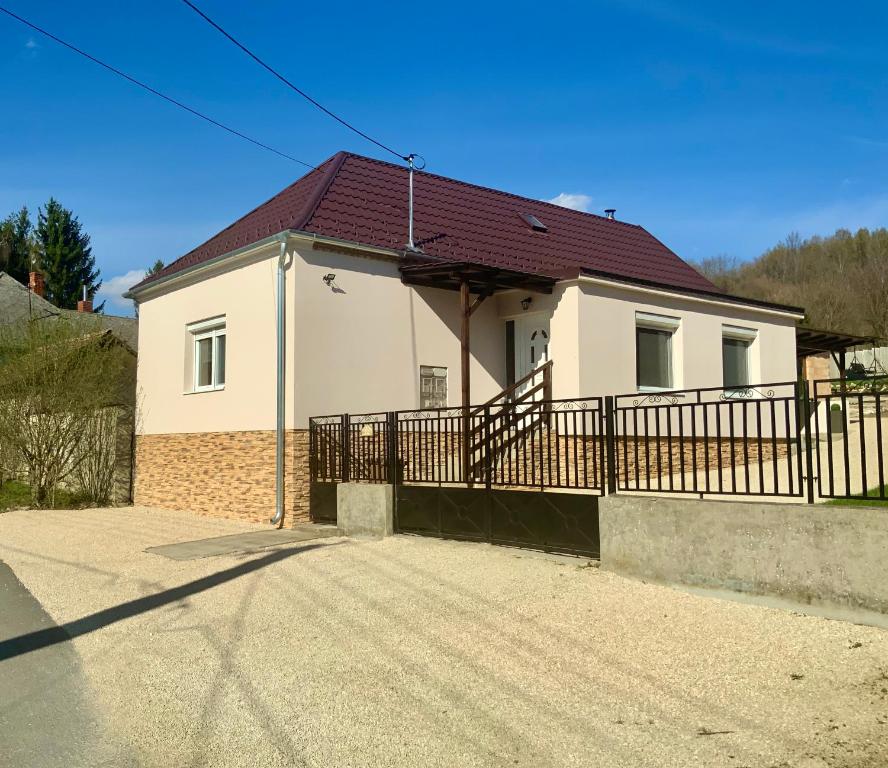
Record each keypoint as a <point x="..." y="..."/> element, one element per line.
<point x="539" y="444"/>
<point x="850" y="422"/>
<point x="737" y="441"/>
<point x="777" y="440"/>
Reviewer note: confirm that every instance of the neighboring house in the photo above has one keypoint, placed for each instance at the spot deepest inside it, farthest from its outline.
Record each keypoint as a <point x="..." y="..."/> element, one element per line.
<point x="22" y="302"/>
<point x="372" y="325"/>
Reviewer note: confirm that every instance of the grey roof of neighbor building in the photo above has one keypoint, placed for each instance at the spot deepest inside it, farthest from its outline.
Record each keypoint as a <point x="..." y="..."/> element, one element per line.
<point x="17" y="303"/>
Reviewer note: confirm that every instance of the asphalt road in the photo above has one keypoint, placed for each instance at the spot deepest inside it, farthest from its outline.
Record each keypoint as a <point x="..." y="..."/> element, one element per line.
<point x="48" y="718"/>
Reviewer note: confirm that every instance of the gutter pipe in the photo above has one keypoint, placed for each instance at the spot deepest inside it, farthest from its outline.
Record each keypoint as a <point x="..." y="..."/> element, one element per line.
<point x="278" y="518"/>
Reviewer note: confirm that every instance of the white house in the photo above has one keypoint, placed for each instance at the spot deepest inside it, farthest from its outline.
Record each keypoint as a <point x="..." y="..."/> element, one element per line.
<point x="370" y="324"/>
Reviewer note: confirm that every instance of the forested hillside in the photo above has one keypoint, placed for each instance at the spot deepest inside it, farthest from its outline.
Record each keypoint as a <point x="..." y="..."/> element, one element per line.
<point x="841" y="280"/>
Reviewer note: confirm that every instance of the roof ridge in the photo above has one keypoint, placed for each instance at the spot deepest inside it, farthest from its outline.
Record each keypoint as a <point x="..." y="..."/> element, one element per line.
<point x="311" y="205"/>
<point x="496" y="191"/>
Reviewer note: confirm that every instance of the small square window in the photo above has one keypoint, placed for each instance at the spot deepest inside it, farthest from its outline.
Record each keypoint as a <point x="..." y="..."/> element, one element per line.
<point x="209" y="354"/>
<point x="432" y="386"/>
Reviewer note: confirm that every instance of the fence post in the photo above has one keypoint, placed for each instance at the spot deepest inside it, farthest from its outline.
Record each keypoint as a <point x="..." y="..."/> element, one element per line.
<point x="346" y="448"/>
<point x="487" y="462"/>
<point x="610" y="444"/>
<point x="809" y="454"/>
<point x="392" y="447"/>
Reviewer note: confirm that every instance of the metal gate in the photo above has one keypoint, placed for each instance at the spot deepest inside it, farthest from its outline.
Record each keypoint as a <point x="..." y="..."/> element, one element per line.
<point x="553" y="522"/>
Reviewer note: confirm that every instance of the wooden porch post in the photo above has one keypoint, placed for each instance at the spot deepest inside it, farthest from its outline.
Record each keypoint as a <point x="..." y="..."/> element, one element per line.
<point x="464" y="341"/>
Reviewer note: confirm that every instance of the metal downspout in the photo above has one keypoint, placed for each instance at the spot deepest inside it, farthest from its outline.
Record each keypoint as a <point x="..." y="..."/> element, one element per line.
<point x="278" y="518"/>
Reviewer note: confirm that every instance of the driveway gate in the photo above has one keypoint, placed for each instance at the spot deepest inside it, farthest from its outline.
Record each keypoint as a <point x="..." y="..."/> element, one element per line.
<point x="527" y="475"/>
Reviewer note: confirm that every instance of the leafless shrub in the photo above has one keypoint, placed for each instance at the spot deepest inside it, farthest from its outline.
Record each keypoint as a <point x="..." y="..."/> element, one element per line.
<point x="55" y="380"/>
<point x="96" y="457"/>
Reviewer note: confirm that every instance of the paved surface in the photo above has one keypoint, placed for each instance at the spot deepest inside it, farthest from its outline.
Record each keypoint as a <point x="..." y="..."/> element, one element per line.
<point x="47" y="712"/>
<point x="242" y="543"/>
<point x="417" y="652"/>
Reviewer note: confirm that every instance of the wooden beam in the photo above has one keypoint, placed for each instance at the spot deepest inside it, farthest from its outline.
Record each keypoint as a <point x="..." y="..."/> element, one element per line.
<point x="464" y="343"/>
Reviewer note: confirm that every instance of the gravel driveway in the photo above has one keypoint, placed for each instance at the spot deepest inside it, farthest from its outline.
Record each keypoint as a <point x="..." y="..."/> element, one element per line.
<point x="418" y="652"/>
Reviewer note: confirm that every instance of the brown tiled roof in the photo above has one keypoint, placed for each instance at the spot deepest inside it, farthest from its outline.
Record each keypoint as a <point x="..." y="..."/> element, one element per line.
<point x="361" y="200"/>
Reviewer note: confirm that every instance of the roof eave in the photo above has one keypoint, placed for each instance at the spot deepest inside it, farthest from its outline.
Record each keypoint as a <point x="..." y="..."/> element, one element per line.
<point x="701" y="294"/>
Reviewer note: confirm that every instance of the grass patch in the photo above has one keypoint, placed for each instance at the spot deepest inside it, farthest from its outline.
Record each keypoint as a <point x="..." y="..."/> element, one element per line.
<point x="870" y="500"/>
<point x="16" y="495"/>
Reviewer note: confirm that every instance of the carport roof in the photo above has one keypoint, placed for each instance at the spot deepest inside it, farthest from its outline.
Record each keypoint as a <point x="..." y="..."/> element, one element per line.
<point x="810" y="341"/>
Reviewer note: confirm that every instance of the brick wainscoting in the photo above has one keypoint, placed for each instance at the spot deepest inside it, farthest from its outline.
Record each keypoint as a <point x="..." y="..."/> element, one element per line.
<point x="222" y="474"/>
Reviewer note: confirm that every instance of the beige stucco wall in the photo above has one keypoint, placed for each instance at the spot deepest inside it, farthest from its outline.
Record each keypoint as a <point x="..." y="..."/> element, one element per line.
<point x="357" y="345"/>
<point x="562" y="309"/>
<point x="606" y="342"/>
<point x="354" y="346"/>
<point x="245" y="295"/>
<point x="360" y="342"/>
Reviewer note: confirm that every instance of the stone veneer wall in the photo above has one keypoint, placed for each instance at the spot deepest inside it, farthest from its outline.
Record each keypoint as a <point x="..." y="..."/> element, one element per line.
<point x="222" y="474"/>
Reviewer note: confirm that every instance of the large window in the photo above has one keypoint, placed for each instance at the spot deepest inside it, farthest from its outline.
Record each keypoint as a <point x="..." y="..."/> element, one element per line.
<point x="653" y="351"/>
<point x="208" y="359"/>
<point x="432" y="386"/>
<point x="736" y="353"/>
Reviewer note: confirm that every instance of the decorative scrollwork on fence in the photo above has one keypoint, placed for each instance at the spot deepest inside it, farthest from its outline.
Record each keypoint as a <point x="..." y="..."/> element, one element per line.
<point x="655" y="398"/>
<point x="745" y="393"/>
<point x="431" y="414"/>
<point x="573" y="405"/>
<point x="322" y="421"/>
<point x="368" y="418"/>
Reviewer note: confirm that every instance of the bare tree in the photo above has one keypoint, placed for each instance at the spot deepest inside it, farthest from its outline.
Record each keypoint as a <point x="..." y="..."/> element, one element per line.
<point x="55" y="380"/>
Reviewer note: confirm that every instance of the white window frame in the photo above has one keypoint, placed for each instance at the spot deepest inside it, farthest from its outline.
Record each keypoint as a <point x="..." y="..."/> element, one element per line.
<point x="653" y="322"/>
<point x="208" y="329"/>
<point x="739" y="333"/>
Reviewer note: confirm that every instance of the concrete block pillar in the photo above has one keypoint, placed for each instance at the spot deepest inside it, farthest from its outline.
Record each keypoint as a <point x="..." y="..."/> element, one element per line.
<point x="365" y="509"/>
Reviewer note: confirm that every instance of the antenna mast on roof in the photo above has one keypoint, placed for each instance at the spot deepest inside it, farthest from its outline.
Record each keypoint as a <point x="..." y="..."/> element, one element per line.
<point x="412" y="165"/>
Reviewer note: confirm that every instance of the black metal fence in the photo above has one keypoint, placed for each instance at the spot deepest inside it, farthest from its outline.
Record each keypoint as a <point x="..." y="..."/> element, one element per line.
<point x="850" y="424"/>
<point x="739" y="441"/>
<point x="775" y="440"/>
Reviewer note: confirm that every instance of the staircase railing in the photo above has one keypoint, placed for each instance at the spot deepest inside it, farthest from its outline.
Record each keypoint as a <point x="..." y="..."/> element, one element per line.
<point x="508" y="418"/>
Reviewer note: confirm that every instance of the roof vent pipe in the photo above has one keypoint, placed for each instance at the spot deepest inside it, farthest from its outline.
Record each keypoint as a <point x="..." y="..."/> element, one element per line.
<point x="609" y="212"/>
<point x="412" y="165"/>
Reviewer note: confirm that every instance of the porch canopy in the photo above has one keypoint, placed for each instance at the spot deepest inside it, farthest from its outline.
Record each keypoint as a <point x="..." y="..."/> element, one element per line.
<point x="482" y="280"/>
<point x="469" y="278"/>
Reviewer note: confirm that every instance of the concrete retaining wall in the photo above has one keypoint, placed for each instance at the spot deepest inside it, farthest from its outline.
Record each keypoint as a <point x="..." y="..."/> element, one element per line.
<point x="364" y="509"/>
<point x="817" y="555"/>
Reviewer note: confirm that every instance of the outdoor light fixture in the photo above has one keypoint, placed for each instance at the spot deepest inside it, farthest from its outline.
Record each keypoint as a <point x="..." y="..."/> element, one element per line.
<point x="525" y="303"/>
<point x="329" y="278"/>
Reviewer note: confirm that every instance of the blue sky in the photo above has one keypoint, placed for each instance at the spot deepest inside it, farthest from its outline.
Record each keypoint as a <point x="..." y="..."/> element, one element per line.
<point x="720" y="127"/>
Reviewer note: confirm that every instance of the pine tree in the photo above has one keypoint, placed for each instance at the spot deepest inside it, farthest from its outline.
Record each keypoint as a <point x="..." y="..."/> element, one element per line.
<point x="17" y="245"/>
<point x="66" y="257"/>
<point x="154" y="268"/>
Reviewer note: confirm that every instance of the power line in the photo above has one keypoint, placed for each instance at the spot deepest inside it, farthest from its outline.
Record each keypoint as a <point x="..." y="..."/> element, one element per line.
<point x="152" y="90"/>
<point x="286" y="82"/>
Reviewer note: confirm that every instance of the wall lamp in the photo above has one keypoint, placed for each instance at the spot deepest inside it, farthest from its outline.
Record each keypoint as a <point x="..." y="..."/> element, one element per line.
<point x="525" y="303"/>
<point x="329" y="278"/>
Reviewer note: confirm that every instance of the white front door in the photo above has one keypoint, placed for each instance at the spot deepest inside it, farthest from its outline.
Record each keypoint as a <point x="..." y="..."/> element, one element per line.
<point x="532" y="338"/>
